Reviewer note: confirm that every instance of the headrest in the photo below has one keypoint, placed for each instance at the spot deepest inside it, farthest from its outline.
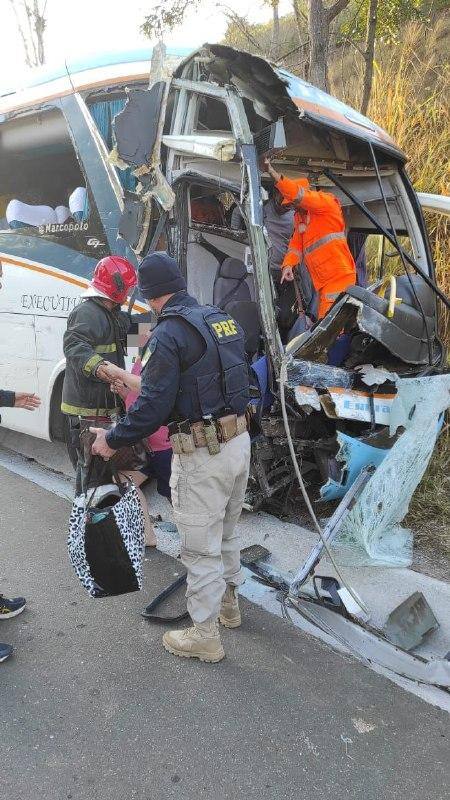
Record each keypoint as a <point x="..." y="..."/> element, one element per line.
<point x="19" y="214"/>
<point x="78" y="203"/>
<point x="232" y="268"/>
<point x="62" y="214"/>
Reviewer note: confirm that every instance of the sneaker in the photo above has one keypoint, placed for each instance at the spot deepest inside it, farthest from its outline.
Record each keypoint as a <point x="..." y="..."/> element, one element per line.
<point x="5" y="651"/>
<point x="11" y="608"/>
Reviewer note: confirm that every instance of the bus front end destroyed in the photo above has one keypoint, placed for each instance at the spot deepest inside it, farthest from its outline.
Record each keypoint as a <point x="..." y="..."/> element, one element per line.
<point x="363" y="388"/>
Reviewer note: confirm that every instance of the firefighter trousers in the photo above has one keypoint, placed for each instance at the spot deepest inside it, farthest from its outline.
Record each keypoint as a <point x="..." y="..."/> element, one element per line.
<point x="207" y="494"/>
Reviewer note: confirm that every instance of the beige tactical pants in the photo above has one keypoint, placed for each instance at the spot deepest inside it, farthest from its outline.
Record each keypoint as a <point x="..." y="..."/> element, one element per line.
<point x="207" y="495"/>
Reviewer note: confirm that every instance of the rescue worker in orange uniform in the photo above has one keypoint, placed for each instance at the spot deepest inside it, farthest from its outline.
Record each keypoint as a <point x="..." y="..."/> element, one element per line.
<point x="319" y="239"/>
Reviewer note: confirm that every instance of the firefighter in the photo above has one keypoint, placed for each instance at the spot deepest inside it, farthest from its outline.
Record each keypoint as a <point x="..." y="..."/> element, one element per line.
<point x="96" y="332"/>
<point x="319" y="239"/>
<point x="195" y="377"/>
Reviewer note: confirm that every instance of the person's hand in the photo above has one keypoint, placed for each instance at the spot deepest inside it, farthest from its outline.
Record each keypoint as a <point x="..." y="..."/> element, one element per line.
<point x="287" y="274"/>
<point x="100" y="447"/>
<point x="28" y="401"/>
<point x="274" y="174"/>
<point x="118" y="387"/>
<point x="108" y="372"/>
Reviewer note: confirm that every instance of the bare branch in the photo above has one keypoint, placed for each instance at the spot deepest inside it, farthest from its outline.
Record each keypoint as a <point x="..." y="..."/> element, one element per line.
<point x="22" y="34"/>
<point x="336" y="9"/>
<point x="243" y="26"/>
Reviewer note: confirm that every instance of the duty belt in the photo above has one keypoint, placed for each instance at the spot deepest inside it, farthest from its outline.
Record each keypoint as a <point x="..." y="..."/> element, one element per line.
<point x="185" y="436"/>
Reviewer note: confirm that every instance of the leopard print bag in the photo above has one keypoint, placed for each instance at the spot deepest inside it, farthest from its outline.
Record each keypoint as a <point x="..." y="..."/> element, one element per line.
<point x="106" y="545"/>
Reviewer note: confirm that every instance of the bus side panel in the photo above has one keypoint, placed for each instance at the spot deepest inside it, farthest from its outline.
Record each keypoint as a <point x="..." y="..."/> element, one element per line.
<point x="18" y="370"/>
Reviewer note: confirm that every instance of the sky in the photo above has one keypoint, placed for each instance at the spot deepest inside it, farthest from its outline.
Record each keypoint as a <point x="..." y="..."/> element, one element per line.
<point x="79" y="28"/>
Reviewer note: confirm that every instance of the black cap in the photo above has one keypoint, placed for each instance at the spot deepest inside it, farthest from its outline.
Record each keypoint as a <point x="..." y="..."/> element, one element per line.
<point x="159" y="274"/>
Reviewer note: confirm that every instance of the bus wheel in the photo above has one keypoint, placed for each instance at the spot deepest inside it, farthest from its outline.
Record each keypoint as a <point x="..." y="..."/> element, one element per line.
<point x="71" y="449"/>
<point x="59" y="422"/>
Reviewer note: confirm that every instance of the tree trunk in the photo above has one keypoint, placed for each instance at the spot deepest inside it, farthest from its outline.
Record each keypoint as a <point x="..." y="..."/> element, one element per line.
<point x="275" y="44"/>
<point x="299" y="19"/>
<point x="39" y="27"/>
<point x="22" y="34"/>
<point x="369" y="54"/>
<point x="319" y="34"/>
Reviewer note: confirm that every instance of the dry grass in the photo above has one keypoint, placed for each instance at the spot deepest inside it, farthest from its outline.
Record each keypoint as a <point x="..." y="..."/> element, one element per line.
<point x="429" y="512"/>
<point x="410" y="99"/>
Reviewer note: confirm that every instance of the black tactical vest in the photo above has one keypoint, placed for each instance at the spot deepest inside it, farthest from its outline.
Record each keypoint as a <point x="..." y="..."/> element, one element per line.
<point x="218" y="383"/>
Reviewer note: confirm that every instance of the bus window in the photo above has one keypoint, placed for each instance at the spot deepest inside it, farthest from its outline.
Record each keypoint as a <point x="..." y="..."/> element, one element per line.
<point x="103" y="112"/>
<point x="43" y="191"/>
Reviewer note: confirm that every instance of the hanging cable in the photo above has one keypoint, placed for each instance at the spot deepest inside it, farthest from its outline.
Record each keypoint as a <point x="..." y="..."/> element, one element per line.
<point x="283" y="379"/>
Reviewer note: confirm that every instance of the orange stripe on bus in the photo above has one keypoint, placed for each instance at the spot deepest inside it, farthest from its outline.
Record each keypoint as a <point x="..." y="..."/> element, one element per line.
<point x="377" y="395"/>
<point x="65" y="92"/>
<point x="53" y="274"/>
<point x="44" y="271"/>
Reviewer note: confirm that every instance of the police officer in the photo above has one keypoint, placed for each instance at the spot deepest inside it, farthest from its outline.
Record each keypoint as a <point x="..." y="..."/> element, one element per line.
<point x="195" y="377"/>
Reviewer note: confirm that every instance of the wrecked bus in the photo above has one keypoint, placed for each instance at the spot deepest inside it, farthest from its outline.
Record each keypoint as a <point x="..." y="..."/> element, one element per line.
<point x="222" y="112"/>
<point x="204" y="133"/>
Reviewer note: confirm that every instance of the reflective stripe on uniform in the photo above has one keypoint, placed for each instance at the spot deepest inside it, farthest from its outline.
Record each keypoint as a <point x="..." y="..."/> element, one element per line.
<point x="293" y="251"/>
<point x="330" y="237"/>
<point x="106" y="348"/>
<point x="77" y="411"/>
<point x="91" y="364"/>
<point x="300" y="195"/>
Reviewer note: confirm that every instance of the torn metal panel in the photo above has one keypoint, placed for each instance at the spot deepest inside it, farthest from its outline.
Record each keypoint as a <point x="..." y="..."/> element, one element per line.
<point x="354" y="404"/>
<point x="136" y="126"/>
<point x="371" y="647"/>
<point x="312" y="344"/>
<point x="354" y="456"/>
<point x="373" y="527"/>
<point x="408" y="624"/>
<point x="218" y="146"/>
<point x="138" y="130"/>
<point x="404" y="336"/>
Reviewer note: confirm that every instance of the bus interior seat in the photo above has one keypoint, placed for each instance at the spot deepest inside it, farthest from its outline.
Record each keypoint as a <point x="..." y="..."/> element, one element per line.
<point x="20" y="215"/>
<point x="245" y="312"/>
<point x="79" y="204"/>
<point x="231" y="283"/>
<point x="62" y="214"/>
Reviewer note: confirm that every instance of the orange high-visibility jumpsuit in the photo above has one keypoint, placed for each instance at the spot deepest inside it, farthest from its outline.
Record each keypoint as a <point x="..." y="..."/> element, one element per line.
<point x="319" y="239"/>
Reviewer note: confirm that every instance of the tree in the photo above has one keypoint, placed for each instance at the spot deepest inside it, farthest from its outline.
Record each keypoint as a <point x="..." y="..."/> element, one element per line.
<point x="320" y="18"/>
<point x="166" y="16"/>
<point x="275" y="42"/>
<point x="368" y="55"/>
<point x="31" y="23"/>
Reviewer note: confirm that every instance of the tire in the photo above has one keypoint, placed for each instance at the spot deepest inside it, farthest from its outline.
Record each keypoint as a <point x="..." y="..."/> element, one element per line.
<point x="71" y="449"/>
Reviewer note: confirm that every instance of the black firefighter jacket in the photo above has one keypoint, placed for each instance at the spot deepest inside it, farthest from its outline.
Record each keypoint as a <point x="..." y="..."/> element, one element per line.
<point x="93" y="334"/>
<point x="7" y="398"/>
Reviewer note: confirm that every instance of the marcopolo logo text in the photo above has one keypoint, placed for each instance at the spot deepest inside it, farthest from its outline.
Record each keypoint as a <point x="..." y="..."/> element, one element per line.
<point x="64" y="227"/>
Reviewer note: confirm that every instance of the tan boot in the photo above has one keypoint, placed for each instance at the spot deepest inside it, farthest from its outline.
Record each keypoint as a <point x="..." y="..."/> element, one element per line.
<point x="229" y="614"/>
<point x="201" y="641"/>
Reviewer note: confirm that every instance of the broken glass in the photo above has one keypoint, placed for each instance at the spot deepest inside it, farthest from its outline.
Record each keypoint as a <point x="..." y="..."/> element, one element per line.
<point x="372" y="533"/>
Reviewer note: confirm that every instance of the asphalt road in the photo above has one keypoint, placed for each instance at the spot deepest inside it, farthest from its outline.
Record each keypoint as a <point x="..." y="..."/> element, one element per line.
<point x="92" y="706"/>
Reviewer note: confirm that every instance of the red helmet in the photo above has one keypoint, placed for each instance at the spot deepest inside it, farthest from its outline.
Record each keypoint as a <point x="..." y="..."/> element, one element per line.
<point x="114" y="276"/>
